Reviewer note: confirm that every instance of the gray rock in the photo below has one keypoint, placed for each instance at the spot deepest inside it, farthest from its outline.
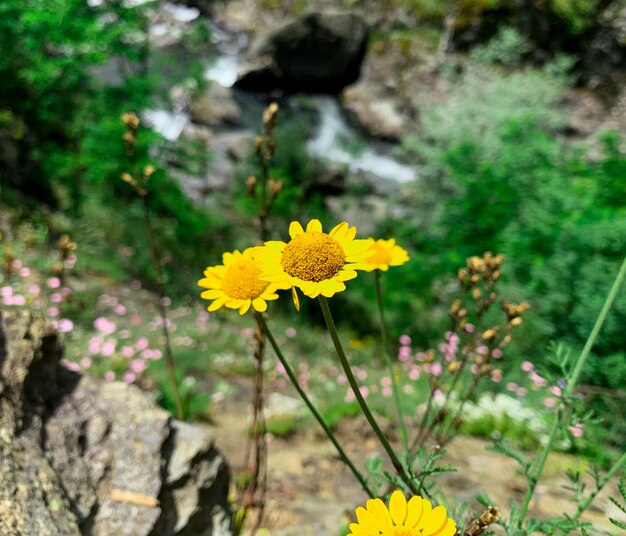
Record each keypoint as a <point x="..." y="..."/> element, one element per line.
<point x="378" y="116"/>
<point x="316" y="53"/>
<point x="215" y="107"/>
<point x="82" y="457"/>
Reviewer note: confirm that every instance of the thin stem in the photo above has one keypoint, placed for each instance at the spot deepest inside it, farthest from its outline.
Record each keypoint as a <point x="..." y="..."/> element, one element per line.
<point x="388" y="358"/>
<point x="290" y="373"/>
<point x="169" y="358"/>
<point x="571" y="384"/>
<point x="258" y="439"/>
<point x="359" y="397"/>
<point x="580" y="363"/>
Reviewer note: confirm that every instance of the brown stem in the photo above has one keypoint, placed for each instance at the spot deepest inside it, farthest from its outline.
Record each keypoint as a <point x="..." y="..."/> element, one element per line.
<point x="169" y="358"/>
<point x="258" y="440"/>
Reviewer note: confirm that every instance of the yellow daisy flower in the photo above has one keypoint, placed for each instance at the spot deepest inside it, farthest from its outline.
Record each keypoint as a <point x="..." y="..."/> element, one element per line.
<point x="313" y="261"/>
<point x="385" y="253"/>
<point x="417" y="517"/>
<point x="236" y="284"/>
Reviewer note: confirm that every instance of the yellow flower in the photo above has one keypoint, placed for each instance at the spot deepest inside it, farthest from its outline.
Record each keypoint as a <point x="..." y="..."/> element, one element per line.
<point x="385" y="253"/>
<point x="313" y="261"/>
<point x="236" y="284"/>
<point x="415" y="518"/>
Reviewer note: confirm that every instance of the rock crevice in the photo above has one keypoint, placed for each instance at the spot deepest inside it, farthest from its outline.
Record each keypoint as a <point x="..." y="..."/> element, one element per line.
<point x="82" y="457"/>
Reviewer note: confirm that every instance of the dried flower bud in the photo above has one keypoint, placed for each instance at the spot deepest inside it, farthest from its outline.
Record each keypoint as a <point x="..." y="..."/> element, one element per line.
<point x="455" y="307"/>
<point x="453" y="367"/>
<point x="496" y="275"/>
<point x="485" y="370"/>
<point x="130" y="120"/>
<point x="478" y="526"/>
<point x="127" y="177"/>
<point x="274" y="187"/>
<point x="258" y="143"/>
<point x="430" y="356"/>
<point x="490" y="334"/>
<point x="269" y="115"/>
<point x="474" y="279"/>
<point x="475" y="264"/>
<point x="476" y="293"/>
<point x="506" y="340"/>
<point x="517" y="321"/>
<point x="462" y="274"/>
<point x="148" y="171"/>
<point x="251" y="185"/>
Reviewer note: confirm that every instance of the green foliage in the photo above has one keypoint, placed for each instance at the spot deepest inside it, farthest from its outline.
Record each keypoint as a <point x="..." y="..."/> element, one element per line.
<point x="621" y="505"/>
<point x="294" y="167"/>
<point x="507" y="48"/>
<point x="497" y="177"/>
<point x="578" y="14"/>
<point x="48" y="50"/>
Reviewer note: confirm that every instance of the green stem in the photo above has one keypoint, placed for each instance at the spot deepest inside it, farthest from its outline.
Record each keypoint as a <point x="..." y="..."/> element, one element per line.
<point x="619" y="279"/>
<point x="389" y="359"/>
<point x="312" y="408"/>
<point x="571" y="384"/>
<point x="612" y="472"/>
<point x="359" y="397"/>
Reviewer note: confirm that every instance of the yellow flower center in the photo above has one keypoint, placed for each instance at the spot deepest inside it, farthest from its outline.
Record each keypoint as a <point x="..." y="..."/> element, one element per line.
<point x="242" y="282"/>
<point x="313" y="256"/>
<point x="380" y="255"/>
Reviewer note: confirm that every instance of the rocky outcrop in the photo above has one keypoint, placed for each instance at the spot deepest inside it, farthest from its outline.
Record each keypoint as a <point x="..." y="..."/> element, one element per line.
<point x="81" y="457"/>
<point x="316" y="53"/>
<point x="215" y="107"/>
<point x="378" y="116"/>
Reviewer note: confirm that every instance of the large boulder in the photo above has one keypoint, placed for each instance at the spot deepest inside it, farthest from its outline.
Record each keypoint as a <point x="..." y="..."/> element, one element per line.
<point x="82" y="457"/>
<point x="215" y="107"/>
<point x="316" y="53"/>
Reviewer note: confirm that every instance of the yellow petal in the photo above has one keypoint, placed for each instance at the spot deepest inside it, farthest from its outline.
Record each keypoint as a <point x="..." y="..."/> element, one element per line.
<point x="295" y="229"/>
<point x="338" y="231"/>
<point x="427" y="508"/>
<point x="414" y="513"/>
<point x="310" y="288"/>
<point x="273" y="277"/>
<point x="365" y="521"/>
<point x="345" y="274"/>
<point x="212" y="294"/>
<point x="397" y="507"/>
<point x="314" y="226"/>
<point x="228" y="258"/>
<point x="272" y="245"/>
<point x="449" y="529"/>
<point x="260" y="304"/>
<point x="435" y="522"/>
<point x="329" y="287"/>
<point x="217" y="304"/>
<point x="380" y="514"/>
<point x="296" y="299"/>
<point x="244" y="308"/>
<point x="356" y="530"/>
<point x="210" y="282"/>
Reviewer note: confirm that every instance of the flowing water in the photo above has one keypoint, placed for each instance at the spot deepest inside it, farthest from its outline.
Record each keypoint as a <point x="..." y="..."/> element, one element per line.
<point x="334" y="140"/>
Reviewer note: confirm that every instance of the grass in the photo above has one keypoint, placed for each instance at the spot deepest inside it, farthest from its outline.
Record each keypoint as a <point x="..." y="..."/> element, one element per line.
<point x="116" y="333"/>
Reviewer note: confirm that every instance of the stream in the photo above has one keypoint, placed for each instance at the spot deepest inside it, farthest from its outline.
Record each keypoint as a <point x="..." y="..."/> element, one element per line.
<point x="333" y="139"/>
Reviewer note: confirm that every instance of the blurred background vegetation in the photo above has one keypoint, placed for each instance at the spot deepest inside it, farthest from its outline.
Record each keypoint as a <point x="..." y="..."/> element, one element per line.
<point x="502" y="164"/>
